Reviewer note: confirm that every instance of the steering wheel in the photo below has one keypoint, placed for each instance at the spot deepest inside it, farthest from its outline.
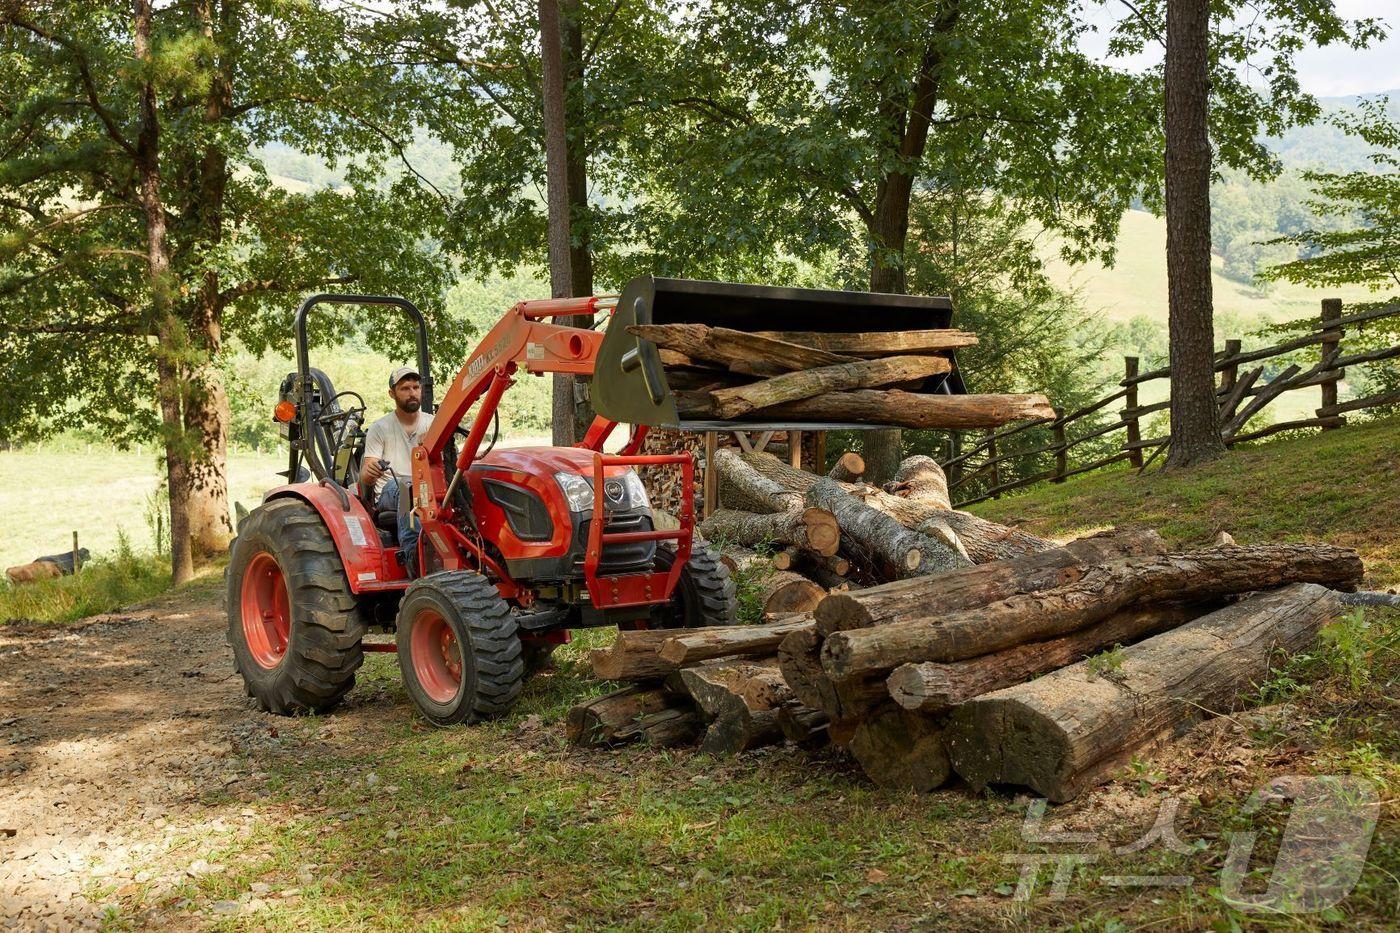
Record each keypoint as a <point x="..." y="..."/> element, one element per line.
<point x="333" y="413"/>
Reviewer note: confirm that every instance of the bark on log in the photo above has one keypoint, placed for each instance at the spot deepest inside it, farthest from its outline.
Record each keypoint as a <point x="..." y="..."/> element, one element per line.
<point x="618" y="717"/>
<point x="900" y="750"/>
<point x="848" y="468"/>
<point x="740" y="351"/>
<point x="670" y="728"/>
<point x="739" y="701"/>
<point x="813" y="529"/>
<point x="756" y="492"/>
<point x="921" y="479"/>
<point x="911" y="410"/>
<point x="879" y="540"/>
<point x="982" y="585"/>
<point x="932" y="687"/>
<point x="1067" y="731"/>
<point x="803" y="725"/>
<point x="633" y="656"/>
<point x="784" y="593"/>
<point x="739" y="559"/>
<point x="1099" y="593"/>
<point x="788" y="558"/>
<point x="740" y="400"/>
<point x="828" y="580"/>
<point x="880" y="343"/>
<point x="983" y="540"/>
<point x="690" y="646"/>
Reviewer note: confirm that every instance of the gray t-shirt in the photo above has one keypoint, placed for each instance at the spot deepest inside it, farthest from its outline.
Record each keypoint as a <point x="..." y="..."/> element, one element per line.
<point x="387" y="439"/>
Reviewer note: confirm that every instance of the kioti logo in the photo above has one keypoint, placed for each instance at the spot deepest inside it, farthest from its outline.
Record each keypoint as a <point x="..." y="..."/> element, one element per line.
<point x="488" y="357"/>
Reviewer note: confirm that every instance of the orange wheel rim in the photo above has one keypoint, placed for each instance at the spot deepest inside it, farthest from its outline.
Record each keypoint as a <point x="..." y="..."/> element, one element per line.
<point x="267" y="616"/>
<point x="437" y="656"/>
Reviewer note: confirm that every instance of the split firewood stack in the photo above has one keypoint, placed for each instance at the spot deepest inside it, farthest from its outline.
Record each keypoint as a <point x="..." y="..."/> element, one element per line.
<point x="812" y="376"/>
<point x="1023" y="663"/>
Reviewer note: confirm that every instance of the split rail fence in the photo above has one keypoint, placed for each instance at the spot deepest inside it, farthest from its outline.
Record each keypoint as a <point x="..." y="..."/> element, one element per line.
<point x="980" y="471"/>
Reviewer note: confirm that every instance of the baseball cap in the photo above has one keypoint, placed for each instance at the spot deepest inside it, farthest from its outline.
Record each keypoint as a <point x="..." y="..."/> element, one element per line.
<point x="400" y="374"/>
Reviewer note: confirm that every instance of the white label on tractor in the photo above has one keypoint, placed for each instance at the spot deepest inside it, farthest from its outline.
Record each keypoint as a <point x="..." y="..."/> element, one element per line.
<point x="357" y="531"/>
<point x="368" y="576"/>
<point x="534" y="351"/>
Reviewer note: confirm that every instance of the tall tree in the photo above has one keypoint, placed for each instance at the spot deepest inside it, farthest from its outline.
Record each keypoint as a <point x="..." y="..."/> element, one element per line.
<point x="132" y="132"/>
<point x="1230" y="79"/>
<point x="1190" y="314"/>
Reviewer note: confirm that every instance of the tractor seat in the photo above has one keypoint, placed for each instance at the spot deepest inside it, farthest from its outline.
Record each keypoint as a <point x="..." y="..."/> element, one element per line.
<point x="386" y="520"/>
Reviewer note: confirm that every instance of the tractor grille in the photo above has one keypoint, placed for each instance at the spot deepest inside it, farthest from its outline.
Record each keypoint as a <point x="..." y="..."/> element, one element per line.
<point x="621" y="558"/>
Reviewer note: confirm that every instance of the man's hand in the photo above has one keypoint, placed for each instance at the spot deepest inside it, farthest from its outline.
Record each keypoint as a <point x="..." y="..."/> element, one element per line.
<point x="372" y="470"/>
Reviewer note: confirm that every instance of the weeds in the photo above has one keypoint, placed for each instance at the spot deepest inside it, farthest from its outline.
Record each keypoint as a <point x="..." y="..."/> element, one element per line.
<point x="104" y="583"/>
<point x="1107" y="664"/>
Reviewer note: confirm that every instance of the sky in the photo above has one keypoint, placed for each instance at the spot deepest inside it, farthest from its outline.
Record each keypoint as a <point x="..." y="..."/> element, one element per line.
<point x="1333" y="71"/>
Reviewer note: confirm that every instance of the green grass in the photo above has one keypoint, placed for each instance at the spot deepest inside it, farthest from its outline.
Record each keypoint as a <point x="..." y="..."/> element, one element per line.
<point x="1339" y="486"/>
<point x="101" y="585"/>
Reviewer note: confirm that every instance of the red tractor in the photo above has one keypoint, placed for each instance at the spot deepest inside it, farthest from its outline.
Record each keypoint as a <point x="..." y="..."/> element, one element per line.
<point x="517" y="546"/>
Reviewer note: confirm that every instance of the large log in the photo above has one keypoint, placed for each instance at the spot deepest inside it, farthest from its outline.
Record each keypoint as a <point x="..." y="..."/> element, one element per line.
<point x="983" y="540"/>
<point x="690" y="646"/>
<point x="900" y="750"/>
<point x="803" y="725"/>
<point x="813" y="529"/>
<point x="741" y="351"/>
<point x="785" y="593"/>
<point x="634" y="655"/>
<point x="739" y="701"/>
<point x="740" y="400"/>
<point x="880" y="541"/>
<point x="913" y="410"/>
<point x="799" y="658"/>
<point x="755" y="492"/>
<point x="932" y="687"/>
<point x="920" y="479"/>
<point x="934" y="635"/>
<point x="626" y="715"/>
<point x="1067" y="731"/>
<point x="981" y="585"/>
<point x="876" y="343"/>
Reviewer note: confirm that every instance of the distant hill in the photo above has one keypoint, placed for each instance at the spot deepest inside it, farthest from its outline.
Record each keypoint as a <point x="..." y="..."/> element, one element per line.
<point x="1323" y="146"/>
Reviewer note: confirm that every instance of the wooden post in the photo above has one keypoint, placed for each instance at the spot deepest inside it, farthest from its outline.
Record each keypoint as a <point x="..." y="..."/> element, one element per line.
<point x="1331" y="342"/>
<point x="1231" y="373"/>
<point x="1130" y="404"/>
<point x="1061" y="452"/>
<point x="795" y="449"/>
<point x="954" y="471"/>
<point x="820" y="453"/>
<point x="991" y="457"/>
<point x="77" y="561"/>
<point x="710" y="486"/>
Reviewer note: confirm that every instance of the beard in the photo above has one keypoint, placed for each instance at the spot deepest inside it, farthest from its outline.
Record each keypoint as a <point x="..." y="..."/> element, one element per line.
<point x="410" y="407"/>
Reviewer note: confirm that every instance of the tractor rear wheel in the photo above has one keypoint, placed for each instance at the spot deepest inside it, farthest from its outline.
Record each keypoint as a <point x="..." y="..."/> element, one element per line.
<point x="293" y="623"/>
<point x="705" y="595"/>
<point x="459" y="648"/>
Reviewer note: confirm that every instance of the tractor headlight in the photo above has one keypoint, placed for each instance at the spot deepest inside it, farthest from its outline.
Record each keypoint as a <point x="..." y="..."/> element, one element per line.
<point x="636" y="492"/>
<point x="578" y="492"/>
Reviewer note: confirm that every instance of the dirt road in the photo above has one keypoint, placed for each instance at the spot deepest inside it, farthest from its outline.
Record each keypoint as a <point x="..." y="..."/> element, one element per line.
<point x="125" y="743"/>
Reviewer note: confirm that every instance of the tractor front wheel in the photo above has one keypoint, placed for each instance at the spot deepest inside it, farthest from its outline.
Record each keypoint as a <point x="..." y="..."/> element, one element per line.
<point x="459" y="648"/>
<point x="292" y="620"/>
<point x="705" y="594"/>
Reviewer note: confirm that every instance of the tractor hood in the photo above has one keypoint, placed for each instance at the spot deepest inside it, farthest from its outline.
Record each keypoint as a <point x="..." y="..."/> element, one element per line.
<point x="544" y="461"/>
<point x="629" y="381"/>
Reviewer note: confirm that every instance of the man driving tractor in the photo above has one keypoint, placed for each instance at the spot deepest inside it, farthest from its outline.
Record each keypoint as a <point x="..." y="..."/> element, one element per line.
<point x="388" y="458"/>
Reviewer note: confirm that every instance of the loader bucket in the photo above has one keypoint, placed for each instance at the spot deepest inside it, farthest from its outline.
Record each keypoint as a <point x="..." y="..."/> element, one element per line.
<point x="629" y="381"/>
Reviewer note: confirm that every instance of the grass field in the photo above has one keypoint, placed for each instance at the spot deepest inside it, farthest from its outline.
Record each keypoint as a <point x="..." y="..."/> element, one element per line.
<point x="1137" y="282"/>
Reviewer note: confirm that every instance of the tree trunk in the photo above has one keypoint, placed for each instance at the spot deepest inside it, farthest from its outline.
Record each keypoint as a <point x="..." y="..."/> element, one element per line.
<point x="982" y="585"/>
<point x="1102" y="591"/>
<point x="1067" y="731"/>
<point x="878" y="541"/>
<point x="900" y="750"/>
<point x="912" y="410"/>
<point x="171" y="336"/>
<point x="740" y="400"/>
<point x="849" y="467"/>
<point x="931" y="687"/>
<point x="722" y="641"/>
<point x="580" y="217"/>
<point x="617" y="717"/>
<point x="799" y="658"/>
<point x="876" y="343"/>
<point x="740" y="702"/>
<point x="920" y="479"/>
<point x="785" y="593"/>
<point x="803" y="725"/>
<point x="740" y="351"/>
<point x="813" y="529"/>
<point x="556" y="150"/>
<point x="634" y="655"/>
<point x="1195" y="428"/>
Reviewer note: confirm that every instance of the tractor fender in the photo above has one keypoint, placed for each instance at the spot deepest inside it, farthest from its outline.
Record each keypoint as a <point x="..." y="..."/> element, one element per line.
<point x="369" y="566"/>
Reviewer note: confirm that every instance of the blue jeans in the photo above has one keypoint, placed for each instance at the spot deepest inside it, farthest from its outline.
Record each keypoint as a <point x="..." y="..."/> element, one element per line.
<point x="408" y="530"/>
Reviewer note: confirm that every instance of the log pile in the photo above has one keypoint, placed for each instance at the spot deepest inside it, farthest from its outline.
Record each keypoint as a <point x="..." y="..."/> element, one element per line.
<point x="1048" y="669"/>
<point x="716" y="373"/>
